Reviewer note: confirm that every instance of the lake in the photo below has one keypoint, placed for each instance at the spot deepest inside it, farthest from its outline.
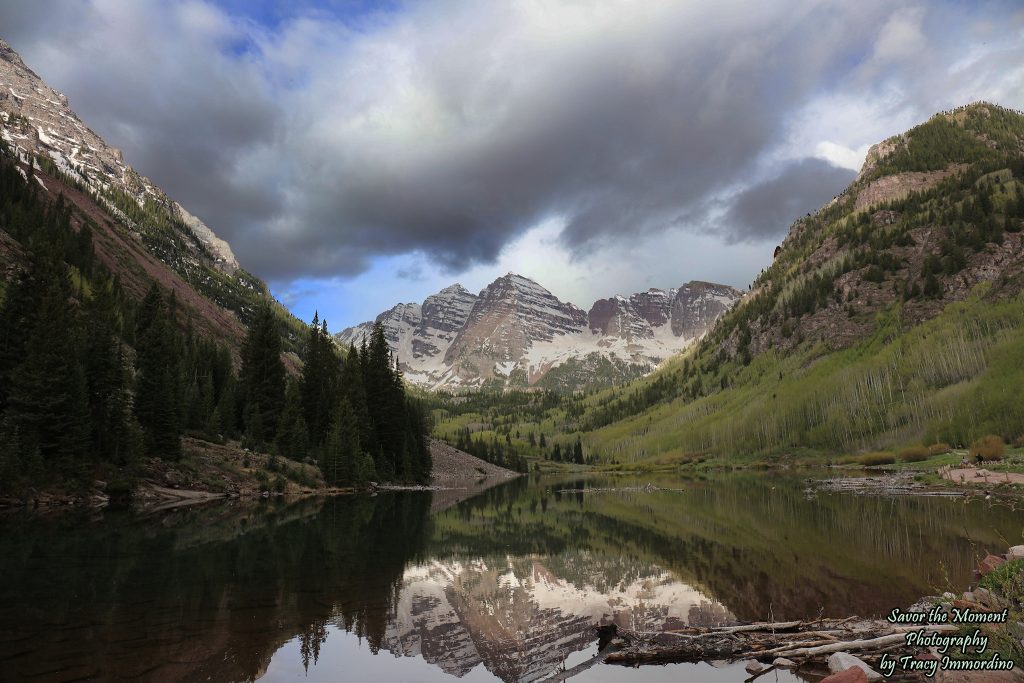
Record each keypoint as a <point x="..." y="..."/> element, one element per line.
<point x="507" y="585"/>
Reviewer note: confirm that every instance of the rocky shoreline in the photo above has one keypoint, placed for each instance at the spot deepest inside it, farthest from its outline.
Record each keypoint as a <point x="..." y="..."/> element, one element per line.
<point x="906" y="644"/>
<point x="215" y="472"/>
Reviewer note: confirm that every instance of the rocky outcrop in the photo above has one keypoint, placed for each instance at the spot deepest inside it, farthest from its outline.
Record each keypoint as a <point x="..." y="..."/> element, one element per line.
<point x="697" y="305"/>
<point x="444" y="315"/>
<point x="878" y="152"/>
<point x="618" y="318"/>
<point x="900" y="185"/>
<point x="419" y="334"/>
<point x="654" y="305"/>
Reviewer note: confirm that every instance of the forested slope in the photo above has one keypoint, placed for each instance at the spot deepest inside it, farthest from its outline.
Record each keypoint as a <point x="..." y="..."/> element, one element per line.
<point x="891" y="316"/>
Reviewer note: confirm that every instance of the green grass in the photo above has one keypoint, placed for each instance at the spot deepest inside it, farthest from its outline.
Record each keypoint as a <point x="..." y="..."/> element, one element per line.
<point x="952" y="379"/>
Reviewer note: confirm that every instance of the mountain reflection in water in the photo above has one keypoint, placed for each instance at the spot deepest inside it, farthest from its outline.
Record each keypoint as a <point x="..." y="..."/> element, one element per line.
<point x="505" y="585"/>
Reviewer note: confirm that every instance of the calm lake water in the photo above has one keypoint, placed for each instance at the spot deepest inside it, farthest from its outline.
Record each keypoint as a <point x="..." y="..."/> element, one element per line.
<point x="503" y="586"/>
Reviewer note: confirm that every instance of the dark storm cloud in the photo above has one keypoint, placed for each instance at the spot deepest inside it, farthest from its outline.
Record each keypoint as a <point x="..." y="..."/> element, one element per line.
<point x="465" y="144"/>
<point x="766" y="210"/>
<point x="315" y="143"/>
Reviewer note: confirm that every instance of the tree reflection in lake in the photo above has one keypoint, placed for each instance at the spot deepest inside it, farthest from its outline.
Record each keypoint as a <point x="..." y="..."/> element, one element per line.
<point x="209" y="593"/>
<point x="506" y="584"/>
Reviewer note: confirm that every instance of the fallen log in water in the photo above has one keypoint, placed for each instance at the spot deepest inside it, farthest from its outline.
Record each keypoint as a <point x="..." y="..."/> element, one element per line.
<point x="800" y="641"/>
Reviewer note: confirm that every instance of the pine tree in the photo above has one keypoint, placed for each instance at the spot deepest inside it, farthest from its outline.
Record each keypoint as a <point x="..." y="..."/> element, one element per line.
<point x="319" y="382"/>
<point x="353" y="388"/>
<point x="340" y="452"/>
<point x="384" y="401"/>
<point x="106" y="376"/>
<point x="47" y="398"/>
<point x="292" y="439"/>
<point x="224" y="420"/>
<point x="262" y="378"/>
<point x="157" y="380"/>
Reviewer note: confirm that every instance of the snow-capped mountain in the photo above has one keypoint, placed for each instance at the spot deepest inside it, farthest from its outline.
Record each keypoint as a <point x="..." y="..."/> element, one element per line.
<point x="516" y="332"/>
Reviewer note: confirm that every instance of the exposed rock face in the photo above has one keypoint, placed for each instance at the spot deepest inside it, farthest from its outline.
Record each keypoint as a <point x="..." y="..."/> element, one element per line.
<point x="908" y="240"/>
<point x="654" y="305"/>
<point x="419" y="333"/>
<point x="444" y="314"/>
<point x="516" y="331"/>
<point x="877" y="153"/>
<point x="511" y="314"/>
<point x="888" y="188"/>
<point x="618" y="317"/>
<point x="38" y="120"/>
<point x="699" y="304"/>
<point x="139" y="233"/>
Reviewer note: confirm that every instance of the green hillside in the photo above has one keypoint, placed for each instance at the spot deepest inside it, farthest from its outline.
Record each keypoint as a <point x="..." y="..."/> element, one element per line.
<point x="892" y="316"/>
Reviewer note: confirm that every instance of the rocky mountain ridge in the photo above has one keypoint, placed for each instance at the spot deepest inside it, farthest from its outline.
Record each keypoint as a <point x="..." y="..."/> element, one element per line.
<point x="40" y="121"/>
<point x="515" y="332"/>
<point x="139" y="232"/>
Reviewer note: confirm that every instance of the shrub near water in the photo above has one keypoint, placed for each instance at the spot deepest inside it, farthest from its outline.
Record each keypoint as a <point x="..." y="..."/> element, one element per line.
<point x="988" y="448"/>
<point x="1007" y="581"/>
<point x="879" y="458"/>
<point x="939" y="448"/>
<point x="915" y="454"/>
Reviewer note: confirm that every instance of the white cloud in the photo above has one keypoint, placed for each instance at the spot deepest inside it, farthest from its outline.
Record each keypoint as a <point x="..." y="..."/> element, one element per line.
<point x="841" y="155"/>
<point x="901" y="36"/>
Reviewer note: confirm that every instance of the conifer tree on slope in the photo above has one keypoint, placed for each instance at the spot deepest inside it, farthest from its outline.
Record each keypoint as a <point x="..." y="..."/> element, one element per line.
<point x="103" y="359"/>
<point x="157" y="379"/>
<point x="384" y="403"/>
<point x="319" y="382"/>
<point x="292" y="432"/>
<point x="341" y="450"/>
<point x="262" y="376"/>
<point x="47" y="398"/>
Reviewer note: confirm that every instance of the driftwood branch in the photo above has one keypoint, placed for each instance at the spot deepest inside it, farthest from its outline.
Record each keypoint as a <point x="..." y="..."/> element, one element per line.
<point x="796" y="640"/>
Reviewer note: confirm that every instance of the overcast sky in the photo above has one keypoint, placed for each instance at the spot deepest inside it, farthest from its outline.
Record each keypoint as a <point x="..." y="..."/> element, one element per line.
<point x="356" y="154"/>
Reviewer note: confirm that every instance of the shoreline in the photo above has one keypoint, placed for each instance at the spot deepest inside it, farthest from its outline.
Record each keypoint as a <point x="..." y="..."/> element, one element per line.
<point x="910" y="641"/>
<point x="210" y="472"/>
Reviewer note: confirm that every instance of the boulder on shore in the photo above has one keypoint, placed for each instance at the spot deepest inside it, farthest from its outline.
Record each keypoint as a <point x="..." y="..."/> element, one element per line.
<point x="842" y="661"/>
<point x="852" y="675"/>
<point x="754" y="667"/>
<point x="989" y="564"/>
